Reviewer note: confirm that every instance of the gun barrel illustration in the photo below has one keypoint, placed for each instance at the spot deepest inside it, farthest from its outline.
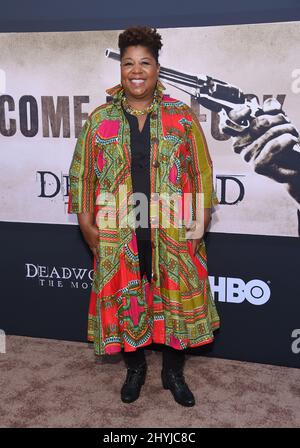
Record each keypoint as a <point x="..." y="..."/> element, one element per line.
<point x="215" y="95"/>
<point x="211" y="93"/>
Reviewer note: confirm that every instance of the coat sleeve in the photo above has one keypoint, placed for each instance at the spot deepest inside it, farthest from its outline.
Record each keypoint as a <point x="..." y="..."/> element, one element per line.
<point x="201" y="175"/>
<point x="82" y="173"/>
<point x="201" y="164"/>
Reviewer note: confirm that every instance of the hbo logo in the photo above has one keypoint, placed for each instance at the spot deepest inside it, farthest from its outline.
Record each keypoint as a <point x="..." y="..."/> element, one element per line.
<point x="235" y="290"/>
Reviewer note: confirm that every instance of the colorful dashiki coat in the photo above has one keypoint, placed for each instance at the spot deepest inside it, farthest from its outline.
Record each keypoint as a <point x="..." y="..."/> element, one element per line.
<point x="177" y="307"/>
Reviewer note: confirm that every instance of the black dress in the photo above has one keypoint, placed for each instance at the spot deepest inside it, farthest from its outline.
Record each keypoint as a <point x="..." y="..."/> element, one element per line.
<point x="140" y="174"/>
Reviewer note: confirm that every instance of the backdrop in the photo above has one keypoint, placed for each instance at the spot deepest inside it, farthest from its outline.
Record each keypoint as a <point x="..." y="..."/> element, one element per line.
<point x="49" y="83"/>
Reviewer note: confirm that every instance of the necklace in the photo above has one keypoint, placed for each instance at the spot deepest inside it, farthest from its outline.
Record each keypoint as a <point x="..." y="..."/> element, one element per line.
<point x="137" y="112"/>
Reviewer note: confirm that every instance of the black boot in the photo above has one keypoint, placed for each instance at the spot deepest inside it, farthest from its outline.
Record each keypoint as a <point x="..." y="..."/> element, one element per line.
<point x="172" y="376"/>
<point x="174" y="380"/>
<point x="134" y="380"/>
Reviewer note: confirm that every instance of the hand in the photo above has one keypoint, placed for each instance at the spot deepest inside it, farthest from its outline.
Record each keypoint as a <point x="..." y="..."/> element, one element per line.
<point x="91" y="235"/>
<point x="267" y="145"/>
<point x="195" y="245"/>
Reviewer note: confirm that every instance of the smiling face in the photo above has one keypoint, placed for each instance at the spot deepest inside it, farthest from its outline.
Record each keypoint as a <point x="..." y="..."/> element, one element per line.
<point x="139" y="73"/>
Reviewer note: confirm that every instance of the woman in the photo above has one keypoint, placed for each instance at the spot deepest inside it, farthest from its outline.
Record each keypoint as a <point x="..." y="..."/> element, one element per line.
<point x="150" y="283"/>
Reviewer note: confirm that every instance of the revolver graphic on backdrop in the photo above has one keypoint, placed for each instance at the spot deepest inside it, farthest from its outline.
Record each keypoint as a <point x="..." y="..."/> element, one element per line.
<point x="215" y="95"/>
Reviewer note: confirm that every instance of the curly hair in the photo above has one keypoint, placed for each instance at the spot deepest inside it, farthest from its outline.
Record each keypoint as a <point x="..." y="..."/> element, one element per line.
<point x="141" y="35"/>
